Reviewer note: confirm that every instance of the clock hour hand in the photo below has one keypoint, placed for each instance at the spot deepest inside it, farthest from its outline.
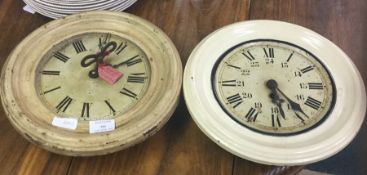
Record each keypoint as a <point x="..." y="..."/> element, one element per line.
<point x="295" y="106"/>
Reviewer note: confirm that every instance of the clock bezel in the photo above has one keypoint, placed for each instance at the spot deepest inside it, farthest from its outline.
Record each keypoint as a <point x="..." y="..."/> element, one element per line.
<point x="220" y="59"/>
<point x="317" y="144"/>
<point x="32" y="119"/>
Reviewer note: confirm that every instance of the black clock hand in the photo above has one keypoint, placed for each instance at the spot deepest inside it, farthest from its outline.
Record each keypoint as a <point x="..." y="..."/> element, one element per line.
<point x="272" y="85"/>
<point x="299" y="117"/>
<point x="295" y="106"/>
<point x="124" y="62"/>
<point x="279" y="104"/>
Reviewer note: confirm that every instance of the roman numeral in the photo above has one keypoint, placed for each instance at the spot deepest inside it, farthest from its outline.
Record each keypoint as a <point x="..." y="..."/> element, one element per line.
<point x="48" y="91"/>
<point x="61" y="57"/>
<point x="315" y="86"/>
<point x="120" y="48"/>
<point x="275" y="121"/>
<point x="79" y="46"/>
<point x="309" y="68"/>
<point x="110" y="106"/>
<point x="270" y="54"/>
<point x="49" y="72"/>
<point x="138" y="74"/>
<point x="85" y="110"/>
<point x="229" y="83"/>
<point x="313" y="103"/>
<point x="104" y="40"/>
<point x="237" y="99"/>
<point x="251" y="115"/>
<point x="236" y="67"/>
<point x="132" y="61"/>
<point x="135" y="79"/>
<point x="128" y="93"/>
<point x="290" y="56"/>
<point x="248" y="56"/>
<point x="64" y="104"/>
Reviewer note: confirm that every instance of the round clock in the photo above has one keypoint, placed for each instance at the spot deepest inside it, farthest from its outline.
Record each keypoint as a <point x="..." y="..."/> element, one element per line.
<point x="285" y="96"/>
<point x="91" y="84"/>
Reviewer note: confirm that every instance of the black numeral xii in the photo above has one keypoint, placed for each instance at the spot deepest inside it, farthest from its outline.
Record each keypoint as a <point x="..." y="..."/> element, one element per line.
<point x="269" y="53"/>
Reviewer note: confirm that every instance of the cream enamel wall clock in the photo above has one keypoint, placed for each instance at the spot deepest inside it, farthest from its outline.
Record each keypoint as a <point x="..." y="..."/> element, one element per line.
<point x="274" y="93"/>
<point x="91" y="84"/>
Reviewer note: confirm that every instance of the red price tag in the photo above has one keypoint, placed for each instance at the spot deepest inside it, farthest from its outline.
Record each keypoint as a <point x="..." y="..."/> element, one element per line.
<point x="108" y="73"/>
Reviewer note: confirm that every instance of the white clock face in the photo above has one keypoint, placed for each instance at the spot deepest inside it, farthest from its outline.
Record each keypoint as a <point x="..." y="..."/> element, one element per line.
<point x="273" y="87"/>
<point x="66" y="87"/>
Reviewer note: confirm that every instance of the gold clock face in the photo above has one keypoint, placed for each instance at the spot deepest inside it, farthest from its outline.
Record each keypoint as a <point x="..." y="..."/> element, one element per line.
<point x="273" y="87"/>
<point x="67" y="88"/>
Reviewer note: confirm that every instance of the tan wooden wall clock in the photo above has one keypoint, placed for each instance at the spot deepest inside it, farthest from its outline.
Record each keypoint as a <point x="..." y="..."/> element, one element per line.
<point x="91" y="84"/>
<point x="274" y="93"/>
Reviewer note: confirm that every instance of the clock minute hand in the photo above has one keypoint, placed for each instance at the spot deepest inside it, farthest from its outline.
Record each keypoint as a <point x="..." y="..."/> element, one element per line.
<point x="272" y="85"/>
<point x="124" y="62"/>
<point x="295" y="106"/>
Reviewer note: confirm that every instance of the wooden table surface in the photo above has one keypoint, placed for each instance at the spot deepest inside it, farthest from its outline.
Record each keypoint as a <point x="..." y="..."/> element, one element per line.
<point x="180" y="147"/>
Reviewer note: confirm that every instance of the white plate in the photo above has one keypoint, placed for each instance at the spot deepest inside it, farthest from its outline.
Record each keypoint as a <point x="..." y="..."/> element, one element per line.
<point x="40" y="10"/>
<point x="75" y="9"/>
<point x="57" y="9"/>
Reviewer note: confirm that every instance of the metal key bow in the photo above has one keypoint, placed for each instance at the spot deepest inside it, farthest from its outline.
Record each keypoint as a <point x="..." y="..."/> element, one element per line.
<point x="98" y="58"/>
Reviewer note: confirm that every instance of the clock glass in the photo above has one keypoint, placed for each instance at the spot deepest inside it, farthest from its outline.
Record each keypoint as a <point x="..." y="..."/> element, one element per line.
<point x="69" y="83"/>
<point x="273" y="87"/>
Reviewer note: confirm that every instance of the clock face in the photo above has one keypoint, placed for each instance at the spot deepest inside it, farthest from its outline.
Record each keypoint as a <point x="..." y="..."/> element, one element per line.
<point x="273" y="87"/>
<point x="66" y="87"/>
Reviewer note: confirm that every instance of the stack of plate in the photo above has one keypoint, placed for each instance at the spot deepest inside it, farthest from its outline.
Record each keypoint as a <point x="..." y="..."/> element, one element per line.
<point x="59" y="8"/>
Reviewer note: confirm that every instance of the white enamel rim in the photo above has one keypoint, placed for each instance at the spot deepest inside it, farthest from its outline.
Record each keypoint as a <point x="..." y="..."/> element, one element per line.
<point x="327" y="139"/>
